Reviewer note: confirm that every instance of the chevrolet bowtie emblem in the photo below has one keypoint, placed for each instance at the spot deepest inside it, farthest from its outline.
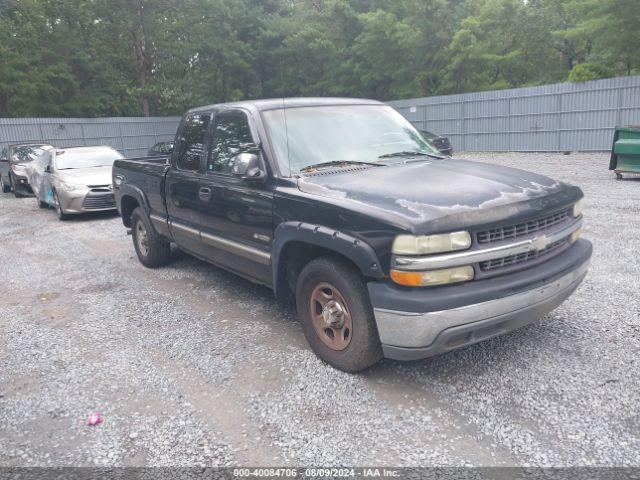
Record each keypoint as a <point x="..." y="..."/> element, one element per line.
<point x="540" y="243"/>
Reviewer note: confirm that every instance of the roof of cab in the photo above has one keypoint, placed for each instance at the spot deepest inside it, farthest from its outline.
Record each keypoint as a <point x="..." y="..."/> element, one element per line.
<point x="274" y="103"/>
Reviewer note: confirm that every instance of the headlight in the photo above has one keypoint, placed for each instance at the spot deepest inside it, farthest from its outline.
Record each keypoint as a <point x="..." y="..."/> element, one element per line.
<point x="70" y="187"/>
<point x="19" y="169"/>
<point x="433" y="277"/>
<point x="577" y="208"/>
<point x="426" y="244"/>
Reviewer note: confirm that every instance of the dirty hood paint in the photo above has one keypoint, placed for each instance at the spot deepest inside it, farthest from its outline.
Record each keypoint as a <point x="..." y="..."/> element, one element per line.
<point x="87" y="176"/>
<point x="443" y="193"/>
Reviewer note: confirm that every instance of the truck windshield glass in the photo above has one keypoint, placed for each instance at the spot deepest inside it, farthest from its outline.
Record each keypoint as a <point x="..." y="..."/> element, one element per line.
<point x="361" y="133"/>
<point x="70" y="159"/>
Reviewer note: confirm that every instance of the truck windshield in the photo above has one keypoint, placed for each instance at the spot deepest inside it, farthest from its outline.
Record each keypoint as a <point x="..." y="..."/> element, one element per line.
<point x="86" y="158"/>
<point x="304" y="136"/>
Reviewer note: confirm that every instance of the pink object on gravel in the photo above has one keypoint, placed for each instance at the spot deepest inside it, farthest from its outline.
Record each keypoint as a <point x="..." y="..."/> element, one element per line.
<point x="94" y="419"/>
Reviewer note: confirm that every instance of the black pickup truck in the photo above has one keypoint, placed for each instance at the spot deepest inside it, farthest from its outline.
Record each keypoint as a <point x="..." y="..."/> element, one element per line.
<point x="387" y="248"/>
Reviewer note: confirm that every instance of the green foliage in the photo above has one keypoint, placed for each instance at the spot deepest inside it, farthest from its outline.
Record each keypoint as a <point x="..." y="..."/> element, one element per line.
<point x="160" y="57"/>
<point x="583" y="72"/>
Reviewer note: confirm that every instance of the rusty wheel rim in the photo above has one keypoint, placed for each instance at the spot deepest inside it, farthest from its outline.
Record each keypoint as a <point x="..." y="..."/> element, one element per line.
<point x="142" y="238"/>
<point x="330" y="316"/>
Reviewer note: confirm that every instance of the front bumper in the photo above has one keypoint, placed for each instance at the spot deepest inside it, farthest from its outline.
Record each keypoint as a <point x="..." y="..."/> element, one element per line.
<point x="84" y="201"/>
<point x="21" y="184"/>
<point x="416" y="323"/>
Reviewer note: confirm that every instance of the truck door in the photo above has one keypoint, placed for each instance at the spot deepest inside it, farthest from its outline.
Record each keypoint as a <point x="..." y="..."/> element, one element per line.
<point x="183" y="182"/>
<point x="236" y="214"/>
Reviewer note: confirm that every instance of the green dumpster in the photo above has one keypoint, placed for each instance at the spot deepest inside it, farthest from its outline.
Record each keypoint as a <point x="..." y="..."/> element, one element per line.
<point x="625" y="154"/>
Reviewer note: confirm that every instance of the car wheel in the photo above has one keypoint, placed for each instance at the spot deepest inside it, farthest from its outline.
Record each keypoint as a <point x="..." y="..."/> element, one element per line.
<point x="152" y="250"/>
<point x="337" y="318"/>
<point x="13" y="187"/>
<point x="5" y="188"/>
<point x="59" y="212"/>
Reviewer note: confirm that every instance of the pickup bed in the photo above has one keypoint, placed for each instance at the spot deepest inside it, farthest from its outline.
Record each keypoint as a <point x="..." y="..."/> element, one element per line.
<point x="386" y="247"/>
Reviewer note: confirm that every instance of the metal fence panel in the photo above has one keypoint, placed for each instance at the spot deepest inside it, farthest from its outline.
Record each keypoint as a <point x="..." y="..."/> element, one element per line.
<point x="563" y="116"/>
<point x="132" y="136"/>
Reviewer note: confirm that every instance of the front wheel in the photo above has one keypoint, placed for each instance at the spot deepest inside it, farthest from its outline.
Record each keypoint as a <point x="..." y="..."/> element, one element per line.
<point x="3" y="186"/>
<point x="58" y="206"/>
<point x="12" y="186"/>
<point x="152" y="250"/>
<point x="337" y="318"/>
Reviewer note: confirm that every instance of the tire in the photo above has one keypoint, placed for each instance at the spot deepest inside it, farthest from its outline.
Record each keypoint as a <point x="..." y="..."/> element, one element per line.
<point x="4" y="187"/>
<point x="59" y="212"/>
<point x="348" y="349"/>
<point x="13" y="187"/>
<point x="152" y="250"/>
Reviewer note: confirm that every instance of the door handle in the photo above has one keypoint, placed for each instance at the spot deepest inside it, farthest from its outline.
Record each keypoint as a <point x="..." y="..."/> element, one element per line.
<point x="204" y="193"/>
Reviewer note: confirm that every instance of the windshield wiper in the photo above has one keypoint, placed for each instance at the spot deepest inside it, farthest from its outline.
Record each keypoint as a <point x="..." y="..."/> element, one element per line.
<point x="337" y="163"/>
<point x="408" y="153"/>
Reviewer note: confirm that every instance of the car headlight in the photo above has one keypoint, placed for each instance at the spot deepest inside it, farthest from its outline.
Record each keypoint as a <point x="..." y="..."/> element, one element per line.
<point x="577" y="208"/>
<point x="70" y="187"/>
<point x="426" y="244"/>
<point x="433" y="277"/>
<point x="19" y="170"/>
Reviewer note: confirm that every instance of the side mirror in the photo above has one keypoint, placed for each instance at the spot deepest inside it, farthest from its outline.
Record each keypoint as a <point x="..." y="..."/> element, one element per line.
<point x="248" y="167"/>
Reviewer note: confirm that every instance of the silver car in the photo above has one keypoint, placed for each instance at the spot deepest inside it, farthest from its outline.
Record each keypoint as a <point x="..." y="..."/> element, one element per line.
<point x="75" y="180"/>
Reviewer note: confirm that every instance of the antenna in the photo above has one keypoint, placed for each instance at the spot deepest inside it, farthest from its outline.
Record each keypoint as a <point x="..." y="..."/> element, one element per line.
<point x="286" y="133"/>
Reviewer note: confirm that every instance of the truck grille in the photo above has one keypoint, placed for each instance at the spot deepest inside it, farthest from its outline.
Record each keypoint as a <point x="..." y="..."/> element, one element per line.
<point x="522" y="229"/>
<point x="99" y="202"/>
<point x="499" y="263"/>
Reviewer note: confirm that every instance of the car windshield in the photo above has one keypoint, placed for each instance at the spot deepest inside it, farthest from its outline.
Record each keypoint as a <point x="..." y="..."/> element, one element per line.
<point x="26" y="153"/>
<point x="81" y="158"/>
<point x="305" y="136"/>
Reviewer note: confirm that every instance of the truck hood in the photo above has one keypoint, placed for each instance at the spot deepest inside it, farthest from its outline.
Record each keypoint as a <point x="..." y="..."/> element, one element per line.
<point x="436" y="195"/>
<point x="93" y="176"/>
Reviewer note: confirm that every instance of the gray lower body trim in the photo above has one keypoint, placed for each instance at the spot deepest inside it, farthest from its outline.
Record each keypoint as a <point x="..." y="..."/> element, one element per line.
<point x="407" y="336"/>
<point x="236" y="248"/>
<point x="184" y="229"/>
<point x="230" y="246"/>
<point x="158" y="220"/>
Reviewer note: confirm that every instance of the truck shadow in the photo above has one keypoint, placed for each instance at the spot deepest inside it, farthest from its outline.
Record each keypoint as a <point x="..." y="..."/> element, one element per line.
<point x="280" y="317"/>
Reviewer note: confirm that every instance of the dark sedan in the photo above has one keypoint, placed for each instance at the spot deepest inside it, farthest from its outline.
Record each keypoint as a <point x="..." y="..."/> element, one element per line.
<point x="441" y="143"/>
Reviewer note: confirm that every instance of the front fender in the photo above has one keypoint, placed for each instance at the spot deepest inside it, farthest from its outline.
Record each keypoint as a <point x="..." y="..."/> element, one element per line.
<point x="356" y="250"/>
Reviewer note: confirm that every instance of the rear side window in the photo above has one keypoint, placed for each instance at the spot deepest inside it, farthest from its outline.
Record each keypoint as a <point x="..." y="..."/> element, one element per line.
<point x="191" y="144"/>
<point x="231" y="136"/>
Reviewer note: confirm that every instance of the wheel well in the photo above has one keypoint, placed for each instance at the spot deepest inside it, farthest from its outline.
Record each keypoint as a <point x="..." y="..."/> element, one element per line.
<point x="293" y="257"/>
<point x="127" y="205"/>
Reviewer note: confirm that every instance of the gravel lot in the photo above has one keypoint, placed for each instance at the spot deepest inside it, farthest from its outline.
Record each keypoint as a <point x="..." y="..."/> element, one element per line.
<point x="192" y="366"/>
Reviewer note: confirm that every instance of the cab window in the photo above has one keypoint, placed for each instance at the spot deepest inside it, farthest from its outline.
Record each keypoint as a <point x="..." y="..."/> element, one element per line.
<point x="231" y="136"/>
<point x="191" y="146"/>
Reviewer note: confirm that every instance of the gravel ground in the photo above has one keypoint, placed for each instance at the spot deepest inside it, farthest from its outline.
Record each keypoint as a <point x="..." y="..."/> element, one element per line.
<point x="192" y="366"/>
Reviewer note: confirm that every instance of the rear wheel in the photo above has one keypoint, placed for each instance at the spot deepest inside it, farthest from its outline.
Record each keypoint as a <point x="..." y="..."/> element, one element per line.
<point x="153" y="251"/>
<point x="59" y="211"/>
<point x="4" y="187"/>
<point x="337" y="318"/>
